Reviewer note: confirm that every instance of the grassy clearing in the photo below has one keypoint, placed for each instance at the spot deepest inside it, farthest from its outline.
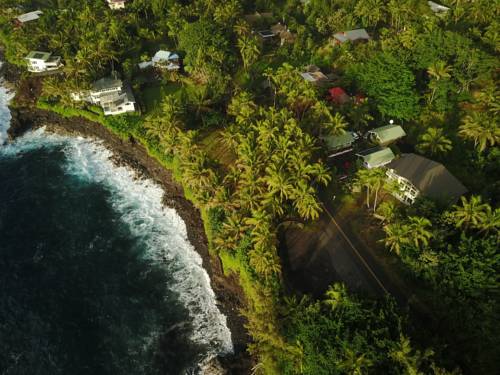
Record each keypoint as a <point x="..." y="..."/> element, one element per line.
<point x="153" y="95"/>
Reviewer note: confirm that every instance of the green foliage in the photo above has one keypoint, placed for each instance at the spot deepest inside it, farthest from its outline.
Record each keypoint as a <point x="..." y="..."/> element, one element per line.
<point x="389" y="83"/>
<point x="206" y="48"/>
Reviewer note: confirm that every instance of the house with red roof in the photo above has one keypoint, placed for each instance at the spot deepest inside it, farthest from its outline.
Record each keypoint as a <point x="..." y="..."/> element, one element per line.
<point x="338" y="95"/>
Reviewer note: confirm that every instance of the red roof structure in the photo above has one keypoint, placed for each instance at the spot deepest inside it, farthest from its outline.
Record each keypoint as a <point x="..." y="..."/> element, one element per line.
<point x="338" y="95"/>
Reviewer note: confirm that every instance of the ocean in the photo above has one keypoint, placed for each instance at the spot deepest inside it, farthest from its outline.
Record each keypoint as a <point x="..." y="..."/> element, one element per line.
<point x="96" y="275"/>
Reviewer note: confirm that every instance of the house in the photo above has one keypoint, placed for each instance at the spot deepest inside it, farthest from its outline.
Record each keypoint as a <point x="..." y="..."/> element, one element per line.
<point x="417" y="176"/>
<point x="116" y="4"/>
<point x="385" y="134"/>
<point x="266" y="34"/>
<point x="145" y="64"/>
<point x="376" y="157"/>
<point x="437" y="8"/>
<point x="351" y="35"/>
<point x="340" y="144"/>
<point x="42" y="62"/>
<point x="338" y="96"/>
<point x="27" y="17"/>
<point x="284" y="33"/>
<point x="166" y="60"/>
<point x="314" y="75"/>
<point x="111" y="94"/>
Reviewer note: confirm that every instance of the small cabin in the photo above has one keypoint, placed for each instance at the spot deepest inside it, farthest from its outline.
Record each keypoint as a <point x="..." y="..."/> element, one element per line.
<point x="376" y="157"/>
<point x="385" y="134"/>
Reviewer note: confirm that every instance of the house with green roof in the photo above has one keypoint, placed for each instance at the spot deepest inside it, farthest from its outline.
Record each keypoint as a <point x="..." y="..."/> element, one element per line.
<point x="335" y="143"/>
<point x="386" y="134"/>
<point x="376" y="157"/>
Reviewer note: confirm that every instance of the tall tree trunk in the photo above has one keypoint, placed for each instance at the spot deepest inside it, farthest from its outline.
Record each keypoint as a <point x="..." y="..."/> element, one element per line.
<point x="376" y="198"/>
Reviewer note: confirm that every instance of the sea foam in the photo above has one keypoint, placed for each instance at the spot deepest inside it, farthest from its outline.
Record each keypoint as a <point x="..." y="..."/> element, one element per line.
<point x="5" y="116"/>
<point x="139" y="201"/>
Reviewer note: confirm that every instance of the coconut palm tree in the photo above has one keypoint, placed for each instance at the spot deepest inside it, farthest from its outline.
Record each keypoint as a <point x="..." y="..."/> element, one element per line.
<point x="438" y="72"/>
<point x="354" y="363"/>
<point x="336" y="296"/>
<point x="470" y="214"/>
<point x="388" y="210"/>
<point x="396" y="236"/>
<point x="434" y="142"/>
<point x="373" y="180"/>
<point x="419" y="232"/>
<point x="480" y="128"/>
<point x="490" y="222"/>
<point x="305" y="201"/>
<point x="371" y="12"/>
<point x="249" y="50"/>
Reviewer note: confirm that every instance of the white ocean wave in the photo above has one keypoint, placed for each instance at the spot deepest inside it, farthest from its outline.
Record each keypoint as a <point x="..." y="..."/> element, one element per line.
<point x="139" y="201"/>
<point x="5" y="116"/>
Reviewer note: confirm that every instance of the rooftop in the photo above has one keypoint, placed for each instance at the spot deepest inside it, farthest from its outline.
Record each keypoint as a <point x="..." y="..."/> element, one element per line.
<point x="31" y="16"/>
<point x="429" y="177"/>
<point x="334" y="142"/>
<point x="377" y="157"/>
<point x="388" y="133"/>
<point x="106" y="83"/>
<point x="38" y="55"/>
<point x="351" y="35"/>
<point x="165" y="55"/>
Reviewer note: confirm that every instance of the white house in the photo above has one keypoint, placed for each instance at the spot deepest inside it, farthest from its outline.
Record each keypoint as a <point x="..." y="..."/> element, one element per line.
<point x="111" y="94"/>
<point x="437" y="8"/>
<point x="417" y="176"/>
<point x="351" y="35"/>
<point x="28" y="17"/>
<point x="42" y="62"/>
<point x="166" y="60"/>
<point x="116" y="4"/>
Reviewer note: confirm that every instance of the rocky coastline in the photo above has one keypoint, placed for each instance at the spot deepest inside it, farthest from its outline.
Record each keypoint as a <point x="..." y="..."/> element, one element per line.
<point x="230" y="297"/>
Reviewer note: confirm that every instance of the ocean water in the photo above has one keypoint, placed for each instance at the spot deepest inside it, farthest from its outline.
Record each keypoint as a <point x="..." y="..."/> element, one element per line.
<point x="96" y="276"/>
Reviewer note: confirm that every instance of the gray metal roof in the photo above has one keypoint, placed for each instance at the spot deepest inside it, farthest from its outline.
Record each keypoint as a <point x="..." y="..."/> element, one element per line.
<point x="106" y="83"/>
<point x="351" y="35"/>
<point x="429" y="177"/>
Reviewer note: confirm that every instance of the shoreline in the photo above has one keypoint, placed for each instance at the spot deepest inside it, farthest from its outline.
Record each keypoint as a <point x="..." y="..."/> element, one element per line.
<point x="229" y="296"/>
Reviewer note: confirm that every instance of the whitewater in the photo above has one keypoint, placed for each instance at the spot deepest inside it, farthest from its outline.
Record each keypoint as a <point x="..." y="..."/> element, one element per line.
<point x="138" y="201"/>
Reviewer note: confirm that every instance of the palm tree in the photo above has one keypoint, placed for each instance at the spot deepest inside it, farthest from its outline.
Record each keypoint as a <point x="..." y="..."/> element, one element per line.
<point x="480" y="128"/>
<point x="354" y="363"/>
<point x="388" y="210"/>
<point x="470" y="213"/>
<point x="434" y="142"/>
<point x="305" y="201"/>
<point x="490" y="222"/>
<point x="399" y="10"/>
<point x="249" y="50"/>
<point x="336" y="296"/>
<point x="265" y="261"/>
<point x="396" y="235"/>
<point x="439" y="72"/>
<point x="419" y="232"/>
<point x="373" y="179"/>
<point x="371" y="12"/>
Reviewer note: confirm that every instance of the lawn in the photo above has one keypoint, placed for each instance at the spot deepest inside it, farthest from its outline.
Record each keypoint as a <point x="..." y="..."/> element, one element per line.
<point x="152" y="95"/>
